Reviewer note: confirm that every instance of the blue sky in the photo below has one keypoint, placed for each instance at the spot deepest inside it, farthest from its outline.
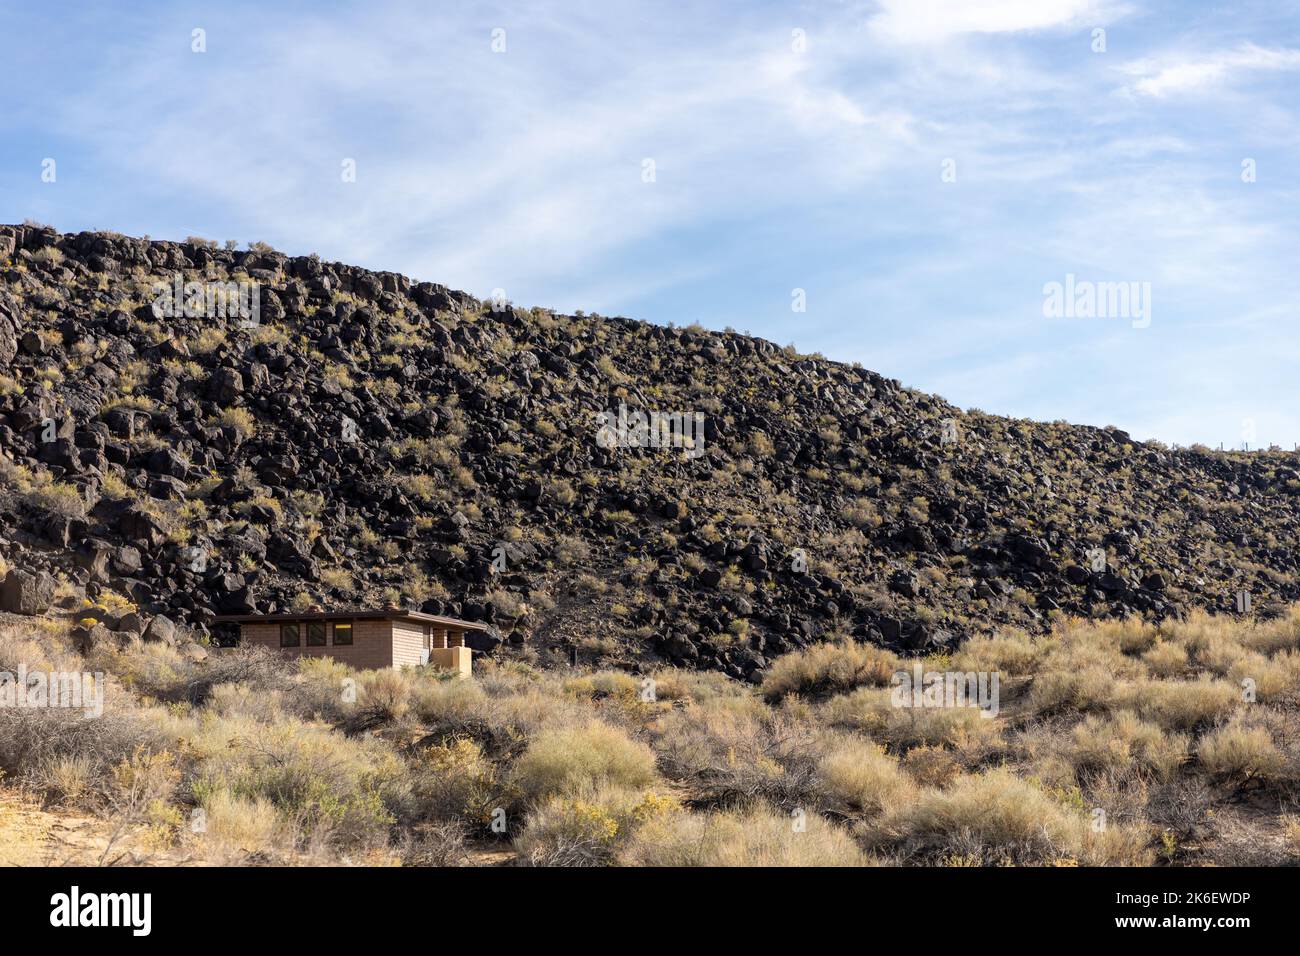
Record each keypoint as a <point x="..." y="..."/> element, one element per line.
<point x="782" y="160"/>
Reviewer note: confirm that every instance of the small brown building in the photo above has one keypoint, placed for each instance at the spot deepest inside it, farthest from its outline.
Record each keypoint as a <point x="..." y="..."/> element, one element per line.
<point x="388" y="637"/>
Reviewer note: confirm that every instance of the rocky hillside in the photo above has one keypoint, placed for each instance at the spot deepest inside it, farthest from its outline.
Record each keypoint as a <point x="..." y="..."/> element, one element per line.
<point x="350" y="437"/>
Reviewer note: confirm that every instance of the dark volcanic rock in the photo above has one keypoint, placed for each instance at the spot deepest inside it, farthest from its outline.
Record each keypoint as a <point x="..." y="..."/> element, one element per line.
<point x="25" y="593"/>
<point x="379" y="437"/>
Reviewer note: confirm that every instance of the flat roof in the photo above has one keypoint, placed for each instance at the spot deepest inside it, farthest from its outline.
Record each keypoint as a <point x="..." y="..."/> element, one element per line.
<point x="384" y="614"/>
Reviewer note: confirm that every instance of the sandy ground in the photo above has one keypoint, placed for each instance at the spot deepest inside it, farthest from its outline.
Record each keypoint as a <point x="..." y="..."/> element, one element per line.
<point x="33" y="836"/>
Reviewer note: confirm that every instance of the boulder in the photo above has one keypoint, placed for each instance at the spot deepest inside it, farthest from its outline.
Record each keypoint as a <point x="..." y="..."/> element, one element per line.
<point x="8" y="331"/>
<point x="27" y="593"/>
<point x="88" y="637"/>
<point x="161" y="628"/>
<point x="131" y="623"/>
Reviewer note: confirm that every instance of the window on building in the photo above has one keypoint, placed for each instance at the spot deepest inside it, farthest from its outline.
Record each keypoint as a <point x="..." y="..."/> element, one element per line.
<point x="316" y="634"/>
<point x="289" y="634"/>
<point x="342" y="632"/>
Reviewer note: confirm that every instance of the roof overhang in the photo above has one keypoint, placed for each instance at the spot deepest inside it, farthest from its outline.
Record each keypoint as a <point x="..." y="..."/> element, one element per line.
<point x="384" y="614"/>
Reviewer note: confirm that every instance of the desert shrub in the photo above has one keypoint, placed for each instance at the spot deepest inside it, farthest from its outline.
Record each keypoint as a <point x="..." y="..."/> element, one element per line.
<point x="42" y="644"/>
<point x="829" y="669"/>
<point x="1270" y="637"/>
<point x="856" y="775"/>
<point x="872" y="711"/>
<point x="1239" y="750"/>
<point x="1167" y="659"/>
<point x="995" y="817"/>
<point x="1107" y="743"/>
<point x="1081" y="670"/>
<point x="383" y="695"/>
<point x="1013" y="653"/>
<point x="448" y="704"/>
<point x="68" y="778"/>
<point x="1206" y="637"/>
<point x="1220" y="652"/>
<point x="55" y="497"/>
<point x="589" y="828"/>
<point x="756" y="836"/>
<point x="59" y="748"/>
<point x="241" y="420"/>
<point x="604" y="684"/>
<point x="161" y="671"/>
<point x="454" y="781"/>
<point x="562" y="760"/>
<point x="1181" y="705"/>
<point x="736" y="750"/>
<point x="1270" y="678"/>
<point x="323" y="689"/>
<point x="443" y="843"/>
<point x="676" y="684"/>
<point x="331" y="788"/>
<point x="235" y="827"/>
<point x="931" y="766"/>
<point x="1089" y="689"/>
<point x="1130" y="635"/>
<point x="240" y="700"/>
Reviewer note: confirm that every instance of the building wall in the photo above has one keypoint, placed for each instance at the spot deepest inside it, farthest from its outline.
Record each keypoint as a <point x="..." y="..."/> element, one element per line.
<point x="372" y="643"/>
<point x="457" y="659"/>
<point x="408" y="641"/>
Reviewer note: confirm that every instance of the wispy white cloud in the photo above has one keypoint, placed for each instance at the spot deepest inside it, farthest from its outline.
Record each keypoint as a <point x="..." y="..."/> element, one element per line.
<point x="931" y="21"/>
<point x="1176" y="74"/>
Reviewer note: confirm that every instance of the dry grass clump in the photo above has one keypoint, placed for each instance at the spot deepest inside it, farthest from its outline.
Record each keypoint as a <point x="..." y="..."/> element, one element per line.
<point x="1279" y="634"/>
<point x="857" y="776"/>
<point x="996" y="817"/>
<point x="872" y="711"/>
<point x="588" y="828"/>
<point x="676" y="684"/>
<point x="157" y="670"/>
<point x="1167" y="659"/>
<point x="1077" y="680"/>
<point x="930" y="766"/>
<point x="1271" y="678"/>
<point x="1182" y="705"/>
<point x="605" y="683"/>
<point x="1123" y="740"/>
<point x="736" y="750"/>
<point x="444" y="843"/>
<point x="829" y="669"/>
<point x="1239" y="750"/>
<point x="755" y="836"/>
<point x="1013" y="653"/>
<point x="563" y="760"/>
<point x="235" y="828"/>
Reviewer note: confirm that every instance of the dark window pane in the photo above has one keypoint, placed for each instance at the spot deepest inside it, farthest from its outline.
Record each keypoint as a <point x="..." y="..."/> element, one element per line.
<point x="288" y="635"/>
<point x="343" y="633"/>
<point x="316" y="634"/>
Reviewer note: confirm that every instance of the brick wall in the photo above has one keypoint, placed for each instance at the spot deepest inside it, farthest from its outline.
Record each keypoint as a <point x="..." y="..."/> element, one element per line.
<point x="372" y="643"/>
